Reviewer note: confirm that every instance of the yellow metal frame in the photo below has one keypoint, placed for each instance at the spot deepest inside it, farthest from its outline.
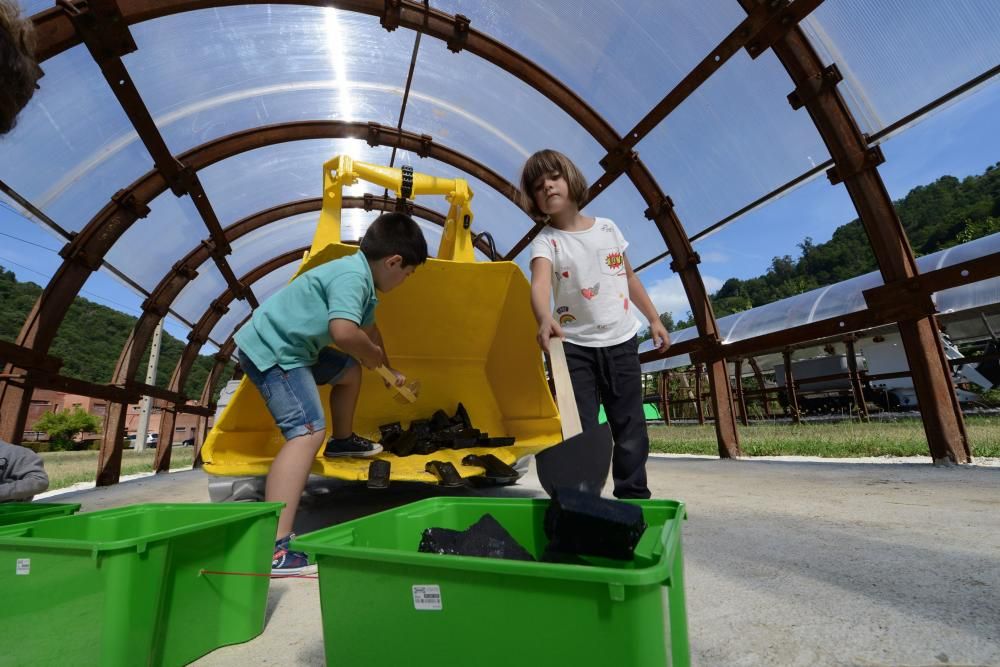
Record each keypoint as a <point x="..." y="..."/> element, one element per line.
<point x="464" y="328"/>
<point x="456" y="243"/>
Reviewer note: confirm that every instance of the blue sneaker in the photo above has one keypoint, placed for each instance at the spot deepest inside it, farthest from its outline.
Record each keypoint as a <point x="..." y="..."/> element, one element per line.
<point x="287" y="562"/>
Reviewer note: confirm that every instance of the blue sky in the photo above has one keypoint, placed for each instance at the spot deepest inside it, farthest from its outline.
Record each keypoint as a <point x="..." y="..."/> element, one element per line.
<point x="959" y="140"/>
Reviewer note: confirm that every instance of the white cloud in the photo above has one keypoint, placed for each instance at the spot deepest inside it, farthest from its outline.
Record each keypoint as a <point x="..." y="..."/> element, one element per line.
<point x="668" y="295"/>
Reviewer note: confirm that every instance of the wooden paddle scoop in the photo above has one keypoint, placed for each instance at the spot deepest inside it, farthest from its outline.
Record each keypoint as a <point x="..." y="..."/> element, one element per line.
<point x="407" y="393"/>
<point x="583" y="459"/>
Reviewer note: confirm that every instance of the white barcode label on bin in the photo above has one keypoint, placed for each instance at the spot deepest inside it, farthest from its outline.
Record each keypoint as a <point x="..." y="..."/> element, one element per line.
<point x="427" y="598"/>
<point x="23" y="566"/>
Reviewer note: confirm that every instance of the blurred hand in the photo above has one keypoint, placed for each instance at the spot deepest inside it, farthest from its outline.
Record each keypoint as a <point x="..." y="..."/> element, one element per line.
<point x="400" y="378"/>
<point x="547" y="330"/>
<point x="661" y="339"/>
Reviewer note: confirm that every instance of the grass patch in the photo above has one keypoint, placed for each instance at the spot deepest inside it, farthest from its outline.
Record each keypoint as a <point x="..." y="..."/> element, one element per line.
<point x="904" y="437"/>
<point x="68" y="468"/>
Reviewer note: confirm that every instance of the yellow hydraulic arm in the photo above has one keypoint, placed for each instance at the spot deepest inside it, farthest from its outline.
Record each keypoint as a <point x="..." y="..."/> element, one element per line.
<point x="456" y="242"/>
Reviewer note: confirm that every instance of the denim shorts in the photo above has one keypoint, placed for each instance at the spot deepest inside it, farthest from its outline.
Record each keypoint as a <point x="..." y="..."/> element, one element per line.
<point x="292" y="396"/>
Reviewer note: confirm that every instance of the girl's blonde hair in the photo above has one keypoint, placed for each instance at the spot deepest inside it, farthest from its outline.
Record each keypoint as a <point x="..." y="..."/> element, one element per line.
<point x="546" y="163"/>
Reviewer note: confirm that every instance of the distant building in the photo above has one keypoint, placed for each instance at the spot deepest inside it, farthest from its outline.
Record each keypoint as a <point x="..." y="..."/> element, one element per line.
<point x="46" y="400"/>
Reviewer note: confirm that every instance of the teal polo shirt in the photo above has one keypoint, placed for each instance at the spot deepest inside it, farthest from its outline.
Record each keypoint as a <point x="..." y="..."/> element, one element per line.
<point x="291" y="327"/>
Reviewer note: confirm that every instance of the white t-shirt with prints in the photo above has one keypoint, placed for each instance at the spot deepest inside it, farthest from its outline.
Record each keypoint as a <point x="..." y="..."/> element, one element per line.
<point x="589" y="283"/>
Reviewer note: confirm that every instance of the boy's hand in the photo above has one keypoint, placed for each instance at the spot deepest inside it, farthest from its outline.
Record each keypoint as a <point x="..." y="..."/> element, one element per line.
<point x="547" y="330"/>
<point x="371" y="358"/>
<point x="400" y="378"/>
<point x="661" y="339"/>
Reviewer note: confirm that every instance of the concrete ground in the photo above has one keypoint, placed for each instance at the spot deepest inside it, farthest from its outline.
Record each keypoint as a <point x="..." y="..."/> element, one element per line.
<point x="788" y="562"/>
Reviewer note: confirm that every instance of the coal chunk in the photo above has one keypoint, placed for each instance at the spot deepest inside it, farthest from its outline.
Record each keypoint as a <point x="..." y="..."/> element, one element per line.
<point x="585" y="525"/>
<point x="486" y="539"/>
<point x="378" y="474"/>
<point x="441" y="541"/>
<point x="404" y="444"/>
<point x="390" y="433"/>
<point x="421" y="427"/>
<point x="425" y="446"/>
<point x="462" y="417"/>
<point x="440" y="421"/>
<point x="445" y="472"/>
<point x="426" y="436"/>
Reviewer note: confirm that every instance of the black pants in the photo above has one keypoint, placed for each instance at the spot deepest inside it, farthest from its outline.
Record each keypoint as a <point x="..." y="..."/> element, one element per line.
<point x="611" y="375"/>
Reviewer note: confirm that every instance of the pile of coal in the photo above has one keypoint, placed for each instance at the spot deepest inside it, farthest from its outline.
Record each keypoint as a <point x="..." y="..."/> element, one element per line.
<point x="486" y="538"/>
<point x="426" y="436"/>
<point x="578" y="525"/>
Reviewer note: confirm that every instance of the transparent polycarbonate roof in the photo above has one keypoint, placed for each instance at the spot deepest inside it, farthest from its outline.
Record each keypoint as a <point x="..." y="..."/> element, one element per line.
<point x="898" y="55"/>
<point x="209" y="73"/>
<point x="843" y="298"/>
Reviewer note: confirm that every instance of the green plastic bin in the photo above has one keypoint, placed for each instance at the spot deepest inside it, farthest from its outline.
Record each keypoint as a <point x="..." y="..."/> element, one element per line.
<point x="125" y="586"/>
<point x="11" y="513"/>
<point x="386" y="604"/>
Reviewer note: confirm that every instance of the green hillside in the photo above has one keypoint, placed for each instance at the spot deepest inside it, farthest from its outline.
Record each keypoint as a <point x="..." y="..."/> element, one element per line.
<point x="91" y="337"/>
<point x="941" y="214"/>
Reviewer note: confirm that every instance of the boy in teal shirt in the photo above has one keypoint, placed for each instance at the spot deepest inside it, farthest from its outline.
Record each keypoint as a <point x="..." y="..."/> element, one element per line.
<point x="284" y="350"/>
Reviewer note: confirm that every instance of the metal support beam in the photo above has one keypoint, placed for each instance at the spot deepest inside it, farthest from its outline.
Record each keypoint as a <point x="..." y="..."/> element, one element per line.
<point x="102" y="28"/>
<point x="698" y="391"/>
<point x="110" y="465"/>
<point x="15" y="356"/>
<point x="738" y="372"/>
<point x="855" y="165"/>
<point x="764" y="24"/>
<point x="146" y="404"/>
<point x="856" y="389"/>
<point x="186" y="270"/>
<point x="85" y="253"/>
<point x="879" y="136"/>
<point x="165" y="445"/>
<point x="759" y="376"/>
<point x="791" y="393"/>
<point x="54" y="37"/>
<point x="81" y="257"/>
<point x="217" y="309"/>
<point x="685" y="264"/>
<point x="663" y="389"/>
<point x="221" y="359"/>
<point x="665" y="395"/>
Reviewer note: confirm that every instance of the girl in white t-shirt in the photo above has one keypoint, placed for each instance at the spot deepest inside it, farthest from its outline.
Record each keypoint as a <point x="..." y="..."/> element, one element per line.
<point x="579" y="263"/>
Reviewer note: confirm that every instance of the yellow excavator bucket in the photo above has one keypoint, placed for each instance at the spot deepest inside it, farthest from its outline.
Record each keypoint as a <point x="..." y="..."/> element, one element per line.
<point x="463" y="328"/>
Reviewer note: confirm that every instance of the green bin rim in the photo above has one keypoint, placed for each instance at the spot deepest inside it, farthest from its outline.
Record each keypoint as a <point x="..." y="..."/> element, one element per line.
<point x="334" y="541"/>
<point x="33" y="507"/>
<point x="12" y="536"/>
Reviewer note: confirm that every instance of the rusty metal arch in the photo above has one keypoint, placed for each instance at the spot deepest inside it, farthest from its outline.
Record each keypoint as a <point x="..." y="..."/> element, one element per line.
<point x="764" y="24"/>
<point x="218" y="307"/>
<point x="856" y="166"/>
<point x="760" y="31"/>
<point x="85" y="252"/>
<point x="755" y="37"/>
<point x="185" y="270"/>
<point x="109" y="463"/>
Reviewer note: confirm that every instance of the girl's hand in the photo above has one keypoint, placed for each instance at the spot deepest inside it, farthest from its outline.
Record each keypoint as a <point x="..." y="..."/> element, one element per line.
<point x="547" y="330"/>
<point x="661" y="339"/>
<point x="400" y="378"/>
